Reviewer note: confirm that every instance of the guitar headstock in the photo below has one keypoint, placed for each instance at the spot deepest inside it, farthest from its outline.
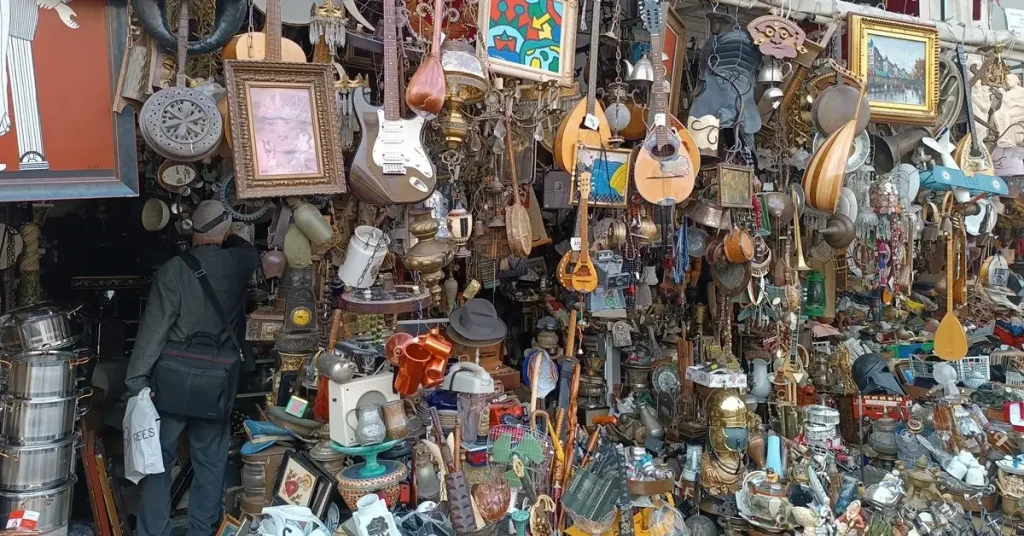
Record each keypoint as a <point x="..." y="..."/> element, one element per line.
<point x="651" y="11"/>
<point x="584" y="184"/>
<point x="961" y="55"/>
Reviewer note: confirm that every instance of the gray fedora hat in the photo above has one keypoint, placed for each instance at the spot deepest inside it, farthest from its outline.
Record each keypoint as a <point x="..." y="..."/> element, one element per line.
<point x="477" y="321"/>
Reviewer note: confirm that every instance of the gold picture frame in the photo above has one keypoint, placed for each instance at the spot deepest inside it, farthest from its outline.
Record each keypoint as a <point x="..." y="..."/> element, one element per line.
<point x="512" y="54"/>
<point x="735" y="186"/>
<point x="900" y="64"/>
<point x="675" y="48"/>
<point x="283" y="128"/>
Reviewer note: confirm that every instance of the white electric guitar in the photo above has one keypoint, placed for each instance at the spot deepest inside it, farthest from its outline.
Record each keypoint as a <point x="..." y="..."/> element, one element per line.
<point x="390" y="166"/>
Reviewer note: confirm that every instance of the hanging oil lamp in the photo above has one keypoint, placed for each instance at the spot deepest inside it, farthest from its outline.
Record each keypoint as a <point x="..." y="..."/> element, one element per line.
<point x="465" y="84"/>
<point x="814" y="302"/>
<point x="617" y="112"/>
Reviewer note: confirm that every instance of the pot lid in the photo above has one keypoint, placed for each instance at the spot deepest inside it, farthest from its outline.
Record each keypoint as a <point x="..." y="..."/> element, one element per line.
<point x="44" y="356"/>
<point x="33" y="312"/>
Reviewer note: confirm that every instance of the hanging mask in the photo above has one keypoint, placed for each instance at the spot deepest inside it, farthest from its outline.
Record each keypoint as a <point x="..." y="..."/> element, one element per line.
<point x="777" y="37"/>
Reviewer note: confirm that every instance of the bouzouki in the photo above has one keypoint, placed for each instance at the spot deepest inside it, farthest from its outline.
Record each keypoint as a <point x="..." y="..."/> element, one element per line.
<point x="971" y="155"/>
<point x="666" y="165"/>
<point x="586" y="122"/>
<point x="581" y="275"/>
<point x="390" y="166"/>
<point x="253" y="46"/>
<point x="426" y="90"/>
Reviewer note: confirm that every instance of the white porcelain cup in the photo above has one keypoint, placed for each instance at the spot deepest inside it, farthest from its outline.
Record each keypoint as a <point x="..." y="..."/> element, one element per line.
<point x="966" y="458"/>
<point x="956" y="468"/>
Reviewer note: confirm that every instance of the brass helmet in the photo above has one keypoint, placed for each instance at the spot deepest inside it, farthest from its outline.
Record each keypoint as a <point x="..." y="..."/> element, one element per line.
<point x="727" y="421"/>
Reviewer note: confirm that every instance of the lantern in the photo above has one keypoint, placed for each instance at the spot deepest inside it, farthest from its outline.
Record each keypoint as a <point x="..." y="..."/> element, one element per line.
<point x="814" y="301"/>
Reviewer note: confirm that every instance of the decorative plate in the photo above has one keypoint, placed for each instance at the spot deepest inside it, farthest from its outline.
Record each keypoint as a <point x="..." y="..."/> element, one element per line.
<point x="181" y="124"/>
<point x="665" y="379"/>
<point x="847" y="204"/>
<point x="908" y="183"/>
<point x="859" y="156"/>
<point x="696" y="241"/>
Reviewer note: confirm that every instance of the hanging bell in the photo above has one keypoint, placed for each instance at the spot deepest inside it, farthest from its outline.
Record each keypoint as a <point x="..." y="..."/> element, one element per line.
<point x="642" y="73"/>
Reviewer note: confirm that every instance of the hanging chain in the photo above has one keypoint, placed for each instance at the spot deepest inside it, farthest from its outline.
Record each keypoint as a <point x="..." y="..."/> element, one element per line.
<point x="251" y="29"/>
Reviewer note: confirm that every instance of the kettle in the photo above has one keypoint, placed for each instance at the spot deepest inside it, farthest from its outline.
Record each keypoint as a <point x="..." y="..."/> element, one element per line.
<point x="773" y="72"/>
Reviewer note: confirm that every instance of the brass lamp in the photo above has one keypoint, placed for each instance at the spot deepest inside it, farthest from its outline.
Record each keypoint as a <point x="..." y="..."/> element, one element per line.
<point x="460" y="225"/>
<point x="465" y="84"/>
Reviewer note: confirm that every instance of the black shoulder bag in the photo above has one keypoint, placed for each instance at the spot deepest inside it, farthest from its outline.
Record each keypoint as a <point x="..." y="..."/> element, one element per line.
<point x="198" y="377"/>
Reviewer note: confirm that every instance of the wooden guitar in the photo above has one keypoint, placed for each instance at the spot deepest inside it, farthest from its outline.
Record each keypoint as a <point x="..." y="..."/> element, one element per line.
<point x="971" y="154"/>
<point x="390" y="166"/>
<point x="581" y="275"/>
<point x="253" y="46"/>
<point x="666" y="165"/>
<point x="586" y="122"/>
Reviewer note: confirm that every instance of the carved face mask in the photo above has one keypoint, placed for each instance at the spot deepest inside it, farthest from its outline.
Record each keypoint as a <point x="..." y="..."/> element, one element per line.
<point x="777" y="37"/>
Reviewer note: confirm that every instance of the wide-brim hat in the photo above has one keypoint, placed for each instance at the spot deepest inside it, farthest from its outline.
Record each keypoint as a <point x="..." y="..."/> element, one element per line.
<point x="477" y="321"/>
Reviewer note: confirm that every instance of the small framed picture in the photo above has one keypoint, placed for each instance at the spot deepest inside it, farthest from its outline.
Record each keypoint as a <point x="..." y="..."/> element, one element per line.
<point x="296" y="481"/>
<point x="609" y="176"/>
<point x="229" y="527"/>
<point x="735" y="186"/>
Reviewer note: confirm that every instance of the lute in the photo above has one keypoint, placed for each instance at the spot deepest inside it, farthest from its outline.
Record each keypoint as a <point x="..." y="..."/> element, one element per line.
<point x="667" y="163"/>
<point x="971" y="154"/>
<point x="426" y="90"/>
<point x="581" y="275"/>
<point x="390" y="166"/>
<point x="586" y="122"/>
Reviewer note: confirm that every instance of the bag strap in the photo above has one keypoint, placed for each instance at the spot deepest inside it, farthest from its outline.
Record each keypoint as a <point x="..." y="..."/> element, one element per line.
<point x="204" y="282"/>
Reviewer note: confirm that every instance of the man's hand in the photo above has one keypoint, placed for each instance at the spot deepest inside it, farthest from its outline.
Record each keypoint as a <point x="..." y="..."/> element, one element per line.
<point x="67" y="16"/>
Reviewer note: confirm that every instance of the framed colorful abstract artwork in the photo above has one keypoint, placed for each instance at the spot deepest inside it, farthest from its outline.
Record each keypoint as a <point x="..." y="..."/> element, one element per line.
<point x="609" y="182"/>
<point x="530" y="39"/>
<point x="43" y="151"/>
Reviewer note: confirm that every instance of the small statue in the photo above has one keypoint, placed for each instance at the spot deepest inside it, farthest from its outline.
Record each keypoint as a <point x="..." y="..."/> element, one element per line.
<point x="851" y="523"/>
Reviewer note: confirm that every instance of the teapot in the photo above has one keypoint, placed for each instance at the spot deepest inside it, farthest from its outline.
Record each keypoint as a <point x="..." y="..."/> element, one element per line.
<point x="773" y="72"/>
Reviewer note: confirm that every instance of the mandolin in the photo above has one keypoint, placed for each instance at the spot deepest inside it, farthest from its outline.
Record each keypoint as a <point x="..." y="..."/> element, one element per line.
<point x="253" y="46"/>
<point x="581" y="275"/>
<point x="390" y="166"/>
<point x="668" y="160"/>
<point x="971" y="155"/>
<point x="426" y="90"/>
<point x="586" y="122"/>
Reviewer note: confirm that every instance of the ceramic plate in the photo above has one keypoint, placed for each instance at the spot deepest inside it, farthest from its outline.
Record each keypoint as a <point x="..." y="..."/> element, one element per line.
<point x="847" y="204"/>
<point x="859" y="155"/>
<point x="908" y="183"/>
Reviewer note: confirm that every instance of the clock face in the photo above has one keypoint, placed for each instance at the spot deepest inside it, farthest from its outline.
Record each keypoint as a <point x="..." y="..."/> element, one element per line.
<point x="176" y="175"/>
<point x="301" y="316"/>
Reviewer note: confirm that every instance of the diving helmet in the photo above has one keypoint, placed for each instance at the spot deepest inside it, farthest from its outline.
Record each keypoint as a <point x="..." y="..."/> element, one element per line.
<point x="727" y="421"/>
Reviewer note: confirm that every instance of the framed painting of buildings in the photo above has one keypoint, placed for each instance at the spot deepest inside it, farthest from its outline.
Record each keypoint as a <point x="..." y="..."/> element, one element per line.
<point x="529" y="40"/>
<point x="59" y="138"/>
<point x="900" y="63"/>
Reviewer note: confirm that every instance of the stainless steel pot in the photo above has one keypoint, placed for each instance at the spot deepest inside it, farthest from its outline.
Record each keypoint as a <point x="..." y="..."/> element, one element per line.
<point x="53" y="505"/>
<point x="42" y="373"/>
<point x="45" y="326"/>
<point x="37" y="421"/>
<point x="36" y="467"/>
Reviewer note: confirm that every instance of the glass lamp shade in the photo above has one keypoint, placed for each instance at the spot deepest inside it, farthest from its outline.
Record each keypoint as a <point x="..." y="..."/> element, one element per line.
<point x="814" y="305"/>
<point x="460" y="225"/>
<point x="618" y="116"/>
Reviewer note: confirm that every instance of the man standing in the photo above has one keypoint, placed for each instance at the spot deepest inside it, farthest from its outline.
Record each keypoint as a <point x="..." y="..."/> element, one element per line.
<point x="18" y="21"/>
<point x="178" y="308"/>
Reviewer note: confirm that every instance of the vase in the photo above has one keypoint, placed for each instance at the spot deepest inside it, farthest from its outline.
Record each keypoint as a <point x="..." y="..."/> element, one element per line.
<point x="372" y="517"/>
<point x="761" y="384"/>
<point x="649" y="418"/>
<point x="395" y="421"/>
<point x="883" y="436"/>
<point x="430" y="255"/>
<point x="371" y="429"/>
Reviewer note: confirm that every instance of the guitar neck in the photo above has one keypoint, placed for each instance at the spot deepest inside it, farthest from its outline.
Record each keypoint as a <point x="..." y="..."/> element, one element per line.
<point x="595" y="38"/>
<point x="438" y="17"/>
<point x="962" y="57"/>
<point x="392" y="105"/>
<point x="273" y="30"/>
<point x="584" y="224"/>
<point x="794" y="339"/>
<point x="659" y="93"/>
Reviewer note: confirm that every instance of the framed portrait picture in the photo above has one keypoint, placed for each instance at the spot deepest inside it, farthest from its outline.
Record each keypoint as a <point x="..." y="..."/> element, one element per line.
<point x="229" y="527"/>
<point x="285" y="140"/>
<point x="529" y="40"/>
<point x="610" y="176"/>
<point x="297" y="481"/>
<point x="900" y="64"/>
<point x="57" y="141"/>
<point x="675" y="49"/>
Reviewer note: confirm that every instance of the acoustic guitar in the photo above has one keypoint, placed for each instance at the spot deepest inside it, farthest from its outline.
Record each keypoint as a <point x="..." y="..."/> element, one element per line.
<point x="581" y="275"/>
<point x="390" y="166"/>
<point x="253" y="46"/>
<point x="667" y="163"/>
<point x="586" y="122"/>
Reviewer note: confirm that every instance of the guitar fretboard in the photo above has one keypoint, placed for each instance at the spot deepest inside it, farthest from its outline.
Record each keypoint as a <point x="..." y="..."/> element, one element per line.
<point x="274" y="30"/>
<point x="392" y="104"/>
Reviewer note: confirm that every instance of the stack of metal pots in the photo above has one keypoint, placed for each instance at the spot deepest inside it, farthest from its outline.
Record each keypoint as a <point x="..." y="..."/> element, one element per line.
<point x="41" y="348"/>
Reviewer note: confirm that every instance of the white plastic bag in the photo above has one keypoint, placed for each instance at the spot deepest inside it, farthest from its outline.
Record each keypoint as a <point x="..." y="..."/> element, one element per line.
<point x="141" y="430"/>
<point x="290" y="520"/>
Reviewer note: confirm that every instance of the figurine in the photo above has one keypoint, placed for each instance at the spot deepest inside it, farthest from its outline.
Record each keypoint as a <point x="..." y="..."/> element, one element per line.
<point x="851" y="523"/>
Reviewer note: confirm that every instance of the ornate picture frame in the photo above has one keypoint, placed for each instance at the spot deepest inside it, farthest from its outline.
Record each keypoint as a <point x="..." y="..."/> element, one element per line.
<point x="541" y="38"/>
<point x="42" y="159"/>
<point x="900" y="64"/>
<point x="735" y="186"/>
<point x="283" y="119"/>
<point x="675" y="48"/>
